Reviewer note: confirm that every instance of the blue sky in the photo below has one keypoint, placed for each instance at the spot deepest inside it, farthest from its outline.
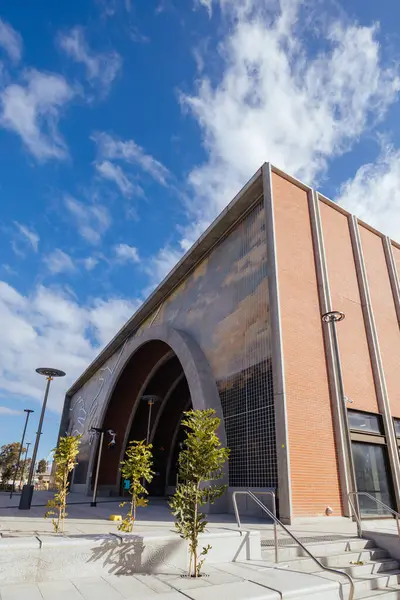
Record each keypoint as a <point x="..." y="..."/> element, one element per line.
<point x="126" y="126"/>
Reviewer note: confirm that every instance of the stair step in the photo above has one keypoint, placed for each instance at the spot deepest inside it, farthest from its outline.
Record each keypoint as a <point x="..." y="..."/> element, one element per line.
<point x="339" y="561"/>
<point x="373" y="567"/>
<point x="389" y="593"/>
<point x="367" y="583"/>
<point x="318" y="549"/>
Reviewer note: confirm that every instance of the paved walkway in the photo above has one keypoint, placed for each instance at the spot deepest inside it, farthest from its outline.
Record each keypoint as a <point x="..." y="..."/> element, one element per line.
<point x="231" y="581"/>
<point x="112" y="587"/>
<point x="156" y="518"/>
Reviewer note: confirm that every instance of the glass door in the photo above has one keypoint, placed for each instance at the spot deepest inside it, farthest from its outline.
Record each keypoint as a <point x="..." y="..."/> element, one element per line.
<point x="373" y="476"/>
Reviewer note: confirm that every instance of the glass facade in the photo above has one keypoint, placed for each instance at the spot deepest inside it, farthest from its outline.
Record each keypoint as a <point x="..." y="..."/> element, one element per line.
<point x="373" y="476"/>
<point x="223" y="304"/>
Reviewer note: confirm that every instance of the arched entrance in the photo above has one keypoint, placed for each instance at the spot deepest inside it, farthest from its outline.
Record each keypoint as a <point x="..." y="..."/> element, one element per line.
<point x="166" y="363"/>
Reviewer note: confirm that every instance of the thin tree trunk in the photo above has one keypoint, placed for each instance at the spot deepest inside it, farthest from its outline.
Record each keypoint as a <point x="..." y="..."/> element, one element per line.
<point x="195" y="534"/>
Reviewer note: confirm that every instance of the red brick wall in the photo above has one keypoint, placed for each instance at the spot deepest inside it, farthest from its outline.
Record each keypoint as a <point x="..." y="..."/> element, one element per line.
<point x="313" y="461"/>
<point x="356" y="364"/>
<point x="384" y="313"/>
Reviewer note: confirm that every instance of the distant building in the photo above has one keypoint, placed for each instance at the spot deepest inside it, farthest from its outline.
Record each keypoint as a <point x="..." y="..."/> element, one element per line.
<point x="237" y="326"/>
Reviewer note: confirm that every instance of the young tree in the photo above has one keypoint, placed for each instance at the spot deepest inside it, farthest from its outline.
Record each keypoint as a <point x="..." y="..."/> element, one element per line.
<point x="65" y="459"/>
<point x="42" y="466"/>
<point x="200" y="462"/>
<point x="8" y="461"/>
<point x="136" y="469"/>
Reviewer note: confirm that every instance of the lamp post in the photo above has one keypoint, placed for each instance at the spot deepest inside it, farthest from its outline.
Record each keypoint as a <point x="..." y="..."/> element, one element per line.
<point x="100" y="431"/>
<point x="28" y="412"/>
<point x="24" y="465"/>
<point x="27" y="490"/>
<point x="150" y="399"/>
<point x="331" y="318"/>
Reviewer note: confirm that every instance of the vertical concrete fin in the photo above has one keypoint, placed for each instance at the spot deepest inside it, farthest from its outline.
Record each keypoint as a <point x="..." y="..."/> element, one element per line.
<point x="394" y="280"/>
<point x="278" y="371"/>
<point x="326" y="306"/>
<point x="376" y="359"/>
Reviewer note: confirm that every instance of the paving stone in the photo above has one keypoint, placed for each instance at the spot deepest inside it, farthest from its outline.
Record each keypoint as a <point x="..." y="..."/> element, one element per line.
<point x="244" y="590"/>
<point x="153" y="583"/>
<point x="96" y="588"/>
<point x="167" y="596"/>
<point x="220" y="578"/>
<point x="60" y="590"/>
<point x="289" y="584"/>
<point x="20" y="591"/>
<point x="128" y="586"/>
<point x="188" y="583"/>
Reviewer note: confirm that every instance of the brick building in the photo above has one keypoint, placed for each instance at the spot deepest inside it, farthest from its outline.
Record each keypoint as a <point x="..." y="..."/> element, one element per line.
<point x="237" y="326"/>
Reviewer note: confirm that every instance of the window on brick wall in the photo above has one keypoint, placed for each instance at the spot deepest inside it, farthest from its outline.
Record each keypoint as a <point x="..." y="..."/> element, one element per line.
<point x="396" y="423"/>
<point x="365" y="422"/>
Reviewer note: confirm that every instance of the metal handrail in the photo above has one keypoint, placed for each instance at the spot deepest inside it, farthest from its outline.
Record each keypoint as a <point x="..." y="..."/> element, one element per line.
<point x="357" y="514"/>
<point x="314" y="558"/>
<point x="263" y="493"/>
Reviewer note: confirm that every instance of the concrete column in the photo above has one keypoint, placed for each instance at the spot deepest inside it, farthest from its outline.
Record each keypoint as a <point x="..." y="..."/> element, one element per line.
<point x="281" y="422"/>
<point x="376" y="359"/>
<point x="394" y="280"/>
<point x="339" y="419"/>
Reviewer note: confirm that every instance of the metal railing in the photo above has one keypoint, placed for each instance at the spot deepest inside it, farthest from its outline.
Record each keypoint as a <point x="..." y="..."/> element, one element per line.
<point x="266" y="493"/>
<point x="278" y="522"/>
<point x="357" y="513"/>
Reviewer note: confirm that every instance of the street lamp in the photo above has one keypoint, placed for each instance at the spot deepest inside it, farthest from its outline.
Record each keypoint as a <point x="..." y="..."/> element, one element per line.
<point x="24" y="465"/>
<point x="110" y="445"/>
<point x="150" y="399"/>
<point x="27" y="490"/>
<point x="331" y="318"/>
<point x="28" y="412"/>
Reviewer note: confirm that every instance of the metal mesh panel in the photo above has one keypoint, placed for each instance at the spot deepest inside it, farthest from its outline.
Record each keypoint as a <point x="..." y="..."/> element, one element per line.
<point x="224" y="305"/>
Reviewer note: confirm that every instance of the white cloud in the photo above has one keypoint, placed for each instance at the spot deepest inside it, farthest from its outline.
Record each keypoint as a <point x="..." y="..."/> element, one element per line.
<point x="29" y="235"/>
<point x="112" y="172"/>
<point x="49" y="327"/>
<point x="59" y="262"/>
<point x="158" y="267"/>
<point x="137" y="36"/>
<point x="101" y="68"/>
<point x="206" y="3"/>
<point x="126" y="253"/>
<point x="92" y="220"/>
<point x="373" y="194"/>
<point x="112" y="148"/>
<point x="4" y="410"/>
<point x="108" y="316"/>
<point x="11" y="41"/>
<point x="33" y="110"/>
<point x="277" y="101"/>
<point x="90" y="262"/>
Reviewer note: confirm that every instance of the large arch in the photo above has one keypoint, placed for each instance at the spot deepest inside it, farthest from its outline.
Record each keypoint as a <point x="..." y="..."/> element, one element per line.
<point x="174" y="357"/>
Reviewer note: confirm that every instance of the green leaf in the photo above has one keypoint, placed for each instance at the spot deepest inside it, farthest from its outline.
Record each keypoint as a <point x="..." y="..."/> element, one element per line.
<point x="200" y="462"/>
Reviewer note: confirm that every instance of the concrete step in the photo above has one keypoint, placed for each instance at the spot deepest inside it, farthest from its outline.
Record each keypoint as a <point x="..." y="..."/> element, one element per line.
<point x="391" y="593"/>
<point x="318" y="549"/>
<point x="338" y="561"/>
<point x="367" y="584"/>
<point x="383" y="566"/>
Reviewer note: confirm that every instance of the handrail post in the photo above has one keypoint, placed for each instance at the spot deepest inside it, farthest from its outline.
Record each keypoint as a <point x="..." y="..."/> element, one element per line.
<point x="314" y="558"/>
<point x="357" y="516"/>
<point x="379" y="502"/>
<point x="235" y="508"/>
<point x="264" y="493"/>
<point x="275" y="529"/>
